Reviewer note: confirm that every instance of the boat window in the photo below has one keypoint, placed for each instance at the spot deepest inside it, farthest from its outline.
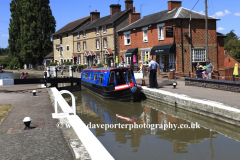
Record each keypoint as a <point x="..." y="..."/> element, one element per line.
<point x="120" y="76"/>
<point x="100" y="78"/>
<point x="111" y="80"/>
<point x="95" y="76"/>
<point x="86" y="76"/>
<point x="90" y="76"/>
<point x="129" y="77"/>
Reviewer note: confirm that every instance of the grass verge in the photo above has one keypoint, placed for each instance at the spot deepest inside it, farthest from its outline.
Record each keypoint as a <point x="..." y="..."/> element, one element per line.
<point x="4" y="109"/>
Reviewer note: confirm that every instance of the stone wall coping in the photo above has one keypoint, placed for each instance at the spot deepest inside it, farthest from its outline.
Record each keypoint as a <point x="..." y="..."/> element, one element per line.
<point x="212" y="81"/>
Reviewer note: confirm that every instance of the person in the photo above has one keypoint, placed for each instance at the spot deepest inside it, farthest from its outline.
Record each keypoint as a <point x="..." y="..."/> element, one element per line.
<point x="25" y="76"/>
<point x="22" y="75"/>
<point x="153" y="70"/>
<point x="199" y="69"/>
<point x="209" y="69"/>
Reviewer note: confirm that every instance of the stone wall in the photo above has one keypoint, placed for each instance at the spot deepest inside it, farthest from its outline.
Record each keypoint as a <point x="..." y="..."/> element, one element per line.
<point x="232" y="86"/>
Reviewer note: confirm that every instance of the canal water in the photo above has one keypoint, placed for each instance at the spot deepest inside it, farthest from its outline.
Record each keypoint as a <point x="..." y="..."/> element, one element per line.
<point x="208" y="139"/>
<point x="16" y="76"/>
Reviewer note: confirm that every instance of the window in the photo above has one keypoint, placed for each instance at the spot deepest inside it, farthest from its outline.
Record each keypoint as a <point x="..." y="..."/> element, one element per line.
<point x="127" y="40"/>
<point x="97" y="30"/>
<point x="84" y="46"/>
<point x="79" y="60"/>
<point x="67" y="60"/>
<point x="129" y="77"/>
<point x="100" y="78"/>
<point x="78" y="47"/>
<point x="105" y="43"/>
<point x="67" y="48"/>
<point x="160" y="31"/>
<point x="98" y="59"/>
<point x="144" y="53"/>
<point x="198" y="55"/>
<point x="57" y="36"/>
<point x="64" y="60"/>
<point x="171" y="61"/>
<point x="90" y="76"/>
<point x="66" y="34"/>
<point x="84" y="34"/>
<point x="120" y="77"/>
<point x="60" y="39"/>
<point x="95" y="77"/>
<point x="111" y="80"/>
<point x="78" y="35"/>
<point x="104" y="30"/>
<point x="127" y="60"/>
<point x="71" y="60"/>
<point x="86" y="75"/>
<point x="145" y="36"/>
<point x="97" y="44"/>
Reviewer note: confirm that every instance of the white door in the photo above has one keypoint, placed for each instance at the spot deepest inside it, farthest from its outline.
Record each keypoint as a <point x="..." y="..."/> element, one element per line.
<point x="161" y="63"/>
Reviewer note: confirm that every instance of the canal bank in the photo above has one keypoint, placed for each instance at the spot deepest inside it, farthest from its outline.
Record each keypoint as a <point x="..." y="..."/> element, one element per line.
<point x="217" y="104"/>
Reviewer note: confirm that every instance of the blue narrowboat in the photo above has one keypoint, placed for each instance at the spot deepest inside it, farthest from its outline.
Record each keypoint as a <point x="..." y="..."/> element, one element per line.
<point x="112" y="83"/>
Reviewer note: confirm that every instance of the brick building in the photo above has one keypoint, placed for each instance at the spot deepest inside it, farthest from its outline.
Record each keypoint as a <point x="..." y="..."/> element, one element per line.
<point x="175" y="38"/>
<point x="97" y="41"/>
<point x="63" y="41"/>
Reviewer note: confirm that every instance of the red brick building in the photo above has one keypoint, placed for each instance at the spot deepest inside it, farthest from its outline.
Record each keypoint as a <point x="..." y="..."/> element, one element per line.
<point x="174" y="38"/>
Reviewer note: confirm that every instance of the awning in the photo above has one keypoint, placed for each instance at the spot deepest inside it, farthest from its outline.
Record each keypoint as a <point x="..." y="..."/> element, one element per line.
<point x="91" y="53"/>
<point x="108" y="51"/>
<point x="164" y="49"/>
<point x="131" y="52"/>
<point x="74" y="55"/>
<point x="86" y="53"/>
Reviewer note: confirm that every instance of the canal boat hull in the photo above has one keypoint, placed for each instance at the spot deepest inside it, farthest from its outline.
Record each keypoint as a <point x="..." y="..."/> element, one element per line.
<point x="121" y="93"/>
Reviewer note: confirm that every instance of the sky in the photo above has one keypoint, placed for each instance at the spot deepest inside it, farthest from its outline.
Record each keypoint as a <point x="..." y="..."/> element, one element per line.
<point x="66" y="11"/>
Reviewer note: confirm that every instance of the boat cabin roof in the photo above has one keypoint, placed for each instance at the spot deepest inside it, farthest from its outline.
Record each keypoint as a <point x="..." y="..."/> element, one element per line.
<point x="106" y="69"/>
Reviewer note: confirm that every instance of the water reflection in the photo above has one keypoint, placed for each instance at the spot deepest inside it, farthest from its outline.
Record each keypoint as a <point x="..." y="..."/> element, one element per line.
<point x="156" y="142"/>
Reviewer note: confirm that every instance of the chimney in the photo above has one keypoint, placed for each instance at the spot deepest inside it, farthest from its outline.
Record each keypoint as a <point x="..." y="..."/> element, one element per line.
<point x="114" y="8"/>
<point x="133" y="17"/>
<point x="128" y="4"/>
<point x="133" y="9"/>
<point x="94" y="15"/>
<point x="174" y="4"/>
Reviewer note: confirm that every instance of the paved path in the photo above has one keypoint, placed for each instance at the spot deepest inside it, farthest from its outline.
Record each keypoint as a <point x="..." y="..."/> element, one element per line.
<point x="43" y="142"/>
<point x="226" y="97"/>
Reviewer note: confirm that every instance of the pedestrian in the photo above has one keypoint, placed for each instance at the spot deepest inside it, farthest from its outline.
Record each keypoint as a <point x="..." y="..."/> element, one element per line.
<point x="141" y="70"/>
<point x="199" y="69"/>
<point x="25" y="76"/>
<point x="22" y="75"/>
<point x="2" y="66"/>
<point x="153" y="70"/>
<point x="209" y="69"/>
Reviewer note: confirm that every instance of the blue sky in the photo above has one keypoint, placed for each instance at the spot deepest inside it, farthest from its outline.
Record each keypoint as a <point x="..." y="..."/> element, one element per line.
<point x="66" y="11"/>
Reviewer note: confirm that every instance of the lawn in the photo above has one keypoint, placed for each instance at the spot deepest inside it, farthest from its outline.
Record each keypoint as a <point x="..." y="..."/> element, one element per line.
<point x="4" y="109"/>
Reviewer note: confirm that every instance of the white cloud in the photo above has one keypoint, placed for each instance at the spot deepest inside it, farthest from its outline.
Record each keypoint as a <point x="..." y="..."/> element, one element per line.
<point x="220" y="29"/>
<point x="5" y="35"/>
<point x="221" y="14"/>
<point x="237" y="14"/>
<point x="202" y="12"/>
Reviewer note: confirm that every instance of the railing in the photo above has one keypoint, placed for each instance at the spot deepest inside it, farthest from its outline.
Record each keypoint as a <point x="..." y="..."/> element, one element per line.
<point x="215" y="75"/>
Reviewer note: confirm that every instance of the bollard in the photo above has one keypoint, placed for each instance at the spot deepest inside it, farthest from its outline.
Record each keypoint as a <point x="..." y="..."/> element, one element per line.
<point x="55" y="73"/>
<point x="70" y="71"/>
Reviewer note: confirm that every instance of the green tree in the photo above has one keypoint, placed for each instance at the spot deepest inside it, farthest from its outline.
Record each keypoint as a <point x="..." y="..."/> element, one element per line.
<point x="33" y="28"/>
<point x="233" y="48"/>
<point x="230" y="35"/>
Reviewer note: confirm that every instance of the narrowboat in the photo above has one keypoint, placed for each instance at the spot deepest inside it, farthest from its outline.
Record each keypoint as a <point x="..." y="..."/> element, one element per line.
<point x="112" y="83"/>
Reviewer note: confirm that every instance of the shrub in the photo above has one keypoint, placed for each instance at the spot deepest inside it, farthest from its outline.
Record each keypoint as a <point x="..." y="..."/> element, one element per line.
<point x="67" y="63"/>
<point x="14" y="62"/>
<point x="100" y="65"/>
<point x="52" y="64"/>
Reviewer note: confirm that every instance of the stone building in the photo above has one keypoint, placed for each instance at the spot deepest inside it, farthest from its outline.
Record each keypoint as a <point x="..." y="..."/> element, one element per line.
<point x="63" y="41"/>
<point x="175" y="38"/>
<point x="97" y="41"/>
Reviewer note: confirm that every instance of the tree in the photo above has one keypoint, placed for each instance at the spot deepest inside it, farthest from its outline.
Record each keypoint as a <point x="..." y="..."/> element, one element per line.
<point x="33" y="23"/>
<point x="230" y="35"/>
<point x="233" y="48"/>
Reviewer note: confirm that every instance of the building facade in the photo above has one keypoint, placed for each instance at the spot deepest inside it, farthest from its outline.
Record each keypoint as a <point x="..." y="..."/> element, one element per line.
<point x="174" y="38"/>
<point x="97" y="41"/>
<point x="63" y="41"/>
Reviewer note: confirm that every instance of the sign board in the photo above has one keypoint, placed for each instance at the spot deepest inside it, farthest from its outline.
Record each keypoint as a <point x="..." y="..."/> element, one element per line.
<point x="57" y="46"/>
<point x="169" y="32"/>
